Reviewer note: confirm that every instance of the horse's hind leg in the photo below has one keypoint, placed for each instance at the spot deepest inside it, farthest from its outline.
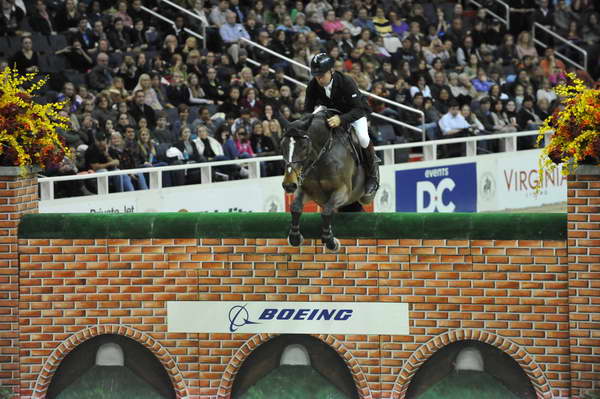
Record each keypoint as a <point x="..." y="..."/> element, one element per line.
<point x="295" y="238"/>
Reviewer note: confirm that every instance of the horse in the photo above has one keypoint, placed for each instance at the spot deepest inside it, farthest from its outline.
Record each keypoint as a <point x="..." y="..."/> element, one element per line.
<point x="321" y="164"/>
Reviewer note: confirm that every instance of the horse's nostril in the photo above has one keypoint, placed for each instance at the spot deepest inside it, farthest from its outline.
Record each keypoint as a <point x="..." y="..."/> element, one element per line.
<point x="290" y="187"/>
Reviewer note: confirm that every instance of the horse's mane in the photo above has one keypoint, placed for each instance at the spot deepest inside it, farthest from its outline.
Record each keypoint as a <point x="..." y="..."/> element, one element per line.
<point x="299" y="127"/>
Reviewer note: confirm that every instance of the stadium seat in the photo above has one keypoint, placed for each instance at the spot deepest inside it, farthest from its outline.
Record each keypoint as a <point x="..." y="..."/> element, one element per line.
<point x="58" y="63"/>
<point x="40" y="43"/>
<point x="58" y="42"/>
<point x="44" y="63"/>
<point x="5" y="48"/>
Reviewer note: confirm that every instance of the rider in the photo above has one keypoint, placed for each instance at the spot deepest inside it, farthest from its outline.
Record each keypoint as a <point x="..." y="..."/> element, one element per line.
<point x="333" y="89"/>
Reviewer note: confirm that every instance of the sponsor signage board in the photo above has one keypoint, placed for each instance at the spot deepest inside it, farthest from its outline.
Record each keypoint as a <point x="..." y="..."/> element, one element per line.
<point x="287" y="317"/>
<point x="439" y="188"/>
<point x="260" y="195"/>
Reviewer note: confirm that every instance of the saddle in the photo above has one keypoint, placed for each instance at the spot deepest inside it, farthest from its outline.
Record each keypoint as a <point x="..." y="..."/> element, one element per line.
<point x="347" y="135"/>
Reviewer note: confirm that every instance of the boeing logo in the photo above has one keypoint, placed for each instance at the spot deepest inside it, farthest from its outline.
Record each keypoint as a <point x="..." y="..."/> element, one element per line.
<point x="239" y="316"/>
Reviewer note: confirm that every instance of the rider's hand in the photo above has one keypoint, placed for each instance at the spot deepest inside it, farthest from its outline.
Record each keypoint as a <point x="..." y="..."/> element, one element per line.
<point x="334" y="121"/>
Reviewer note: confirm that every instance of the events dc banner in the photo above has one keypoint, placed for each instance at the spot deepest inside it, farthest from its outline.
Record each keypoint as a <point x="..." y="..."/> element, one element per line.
<point x="451" y="188"/>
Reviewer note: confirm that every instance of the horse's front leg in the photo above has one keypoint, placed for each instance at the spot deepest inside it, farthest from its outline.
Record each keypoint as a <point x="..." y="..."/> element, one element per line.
<point x="295" y="238"/>
<point x="327" y="237"/>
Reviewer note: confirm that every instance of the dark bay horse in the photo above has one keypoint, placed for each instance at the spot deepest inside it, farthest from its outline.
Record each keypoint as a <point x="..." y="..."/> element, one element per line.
<point x="321" y="165"/>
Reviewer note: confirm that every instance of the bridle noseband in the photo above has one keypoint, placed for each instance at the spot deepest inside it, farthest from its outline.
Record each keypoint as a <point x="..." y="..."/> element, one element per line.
<point x="305" y="171"/>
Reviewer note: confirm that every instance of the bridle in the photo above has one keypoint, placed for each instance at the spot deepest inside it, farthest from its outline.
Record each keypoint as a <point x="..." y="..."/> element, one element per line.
<point x="305" y="171"/>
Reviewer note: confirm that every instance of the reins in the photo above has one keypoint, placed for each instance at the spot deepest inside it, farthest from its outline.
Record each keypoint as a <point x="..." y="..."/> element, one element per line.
<point x="325" y="149"/>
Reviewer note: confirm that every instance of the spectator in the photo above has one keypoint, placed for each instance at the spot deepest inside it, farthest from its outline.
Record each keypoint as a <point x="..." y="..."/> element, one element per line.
<point x="461" y="88"/>
<point x="100" y="77"/>
<point x="453" y="124"/>
<point x="122" y="14"/>
<point x="133" y="158"/>
<point x="40" y="20"/>
<point x="178" y="30"/>
<point x="332" y="23"/>
<point x="177" y="92"/>
<point x="546" y="92"/>
<point x="231" y="33"/>
<point x="189" y="149"/>
<point x="218" y="14"/>
<point x="481" y="83"/>
<point x="543" y="108"/>
<point x="420" y="87"/>
<point x="484" y="115"/>
<point x="244" y="122"/>
<point x="521" y="15"/>
<point x="139" y="109"/>
<point x="10" y="19"/>
<point x="477" y="128"/>
<point x="67" y="18"/>
<point x="528" y="117"/>
<point x="562" y="16"/>
<point x="162" y="133"/>
<point x="100" y="158"/>
<point x="552" y="68"/>
<point x="318" y="8"/>
<point x="26" y="60"/>
<point x="502" y="123"/>
<point x="348" y="24"/>
<point x="525" y="46"/>
<point x="242" y="143"/>
<point x="363" y="22"/>
<point x="233" y="105"/>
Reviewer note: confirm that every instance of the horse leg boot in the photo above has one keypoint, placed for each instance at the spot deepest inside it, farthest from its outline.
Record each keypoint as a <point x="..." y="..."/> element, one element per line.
<point x="371" y="170"/>
<point x="327" y="238"/>
<point x="295" y="238"/>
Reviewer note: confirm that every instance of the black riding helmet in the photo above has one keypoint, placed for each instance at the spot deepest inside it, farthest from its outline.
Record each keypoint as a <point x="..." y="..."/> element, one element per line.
<point x="320" y="64"/>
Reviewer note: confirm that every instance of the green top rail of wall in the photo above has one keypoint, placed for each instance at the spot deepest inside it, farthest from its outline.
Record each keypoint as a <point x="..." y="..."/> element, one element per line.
<point x="494" y="226"/>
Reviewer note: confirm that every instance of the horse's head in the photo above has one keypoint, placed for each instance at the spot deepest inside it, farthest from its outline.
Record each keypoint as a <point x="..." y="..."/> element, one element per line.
<point x="301" y="144"/>
<point x="296" y="146"/>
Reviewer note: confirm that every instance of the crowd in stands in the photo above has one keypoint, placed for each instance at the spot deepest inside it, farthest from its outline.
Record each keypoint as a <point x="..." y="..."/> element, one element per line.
<point x="140" y="92"/>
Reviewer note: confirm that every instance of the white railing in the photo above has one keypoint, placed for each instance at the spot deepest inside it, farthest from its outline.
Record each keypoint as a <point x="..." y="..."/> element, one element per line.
<point x="294" y="62"/>
<point x="505" y="20"/>
<point x="508" y="143"/>
<point x="538" y="26"/>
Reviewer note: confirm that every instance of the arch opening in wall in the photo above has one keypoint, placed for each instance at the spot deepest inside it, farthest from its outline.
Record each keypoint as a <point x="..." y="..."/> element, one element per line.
<point x="470" y="369"/>
<point x="299" y="365"/>
<point x="111" y="363"/>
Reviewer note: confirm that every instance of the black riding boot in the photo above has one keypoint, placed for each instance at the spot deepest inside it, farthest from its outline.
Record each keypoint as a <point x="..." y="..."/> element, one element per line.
<point x="371" y="170"/>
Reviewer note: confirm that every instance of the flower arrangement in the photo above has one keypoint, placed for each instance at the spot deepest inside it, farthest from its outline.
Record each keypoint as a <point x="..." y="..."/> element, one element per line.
<point x="575" y="128"/>
<point x="28" y="134"/>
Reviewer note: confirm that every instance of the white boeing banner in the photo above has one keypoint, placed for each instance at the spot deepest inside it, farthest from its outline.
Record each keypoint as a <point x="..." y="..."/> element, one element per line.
<point x="287" y="317"/>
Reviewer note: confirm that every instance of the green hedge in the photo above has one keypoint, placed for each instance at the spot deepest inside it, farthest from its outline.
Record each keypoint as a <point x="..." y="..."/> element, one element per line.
<point x="505" y="226"/>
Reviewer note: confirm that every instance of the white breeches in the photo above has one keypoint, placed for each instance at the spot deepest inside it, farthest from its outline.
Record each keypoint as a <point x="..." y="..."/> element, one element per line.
<point x="361" y="130"/>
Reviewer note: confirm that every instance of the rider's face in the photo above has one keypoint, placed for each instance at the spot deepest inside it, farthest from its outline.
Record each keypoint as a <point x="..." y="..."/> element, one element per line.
<point x="324" y="79"/>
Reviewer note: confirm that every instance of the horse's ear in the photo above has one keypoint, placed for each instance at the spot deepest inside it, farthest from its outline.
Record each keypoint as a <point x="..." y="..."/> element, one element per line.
<point x="303" y="123"/>
<point x="284" y="122"/>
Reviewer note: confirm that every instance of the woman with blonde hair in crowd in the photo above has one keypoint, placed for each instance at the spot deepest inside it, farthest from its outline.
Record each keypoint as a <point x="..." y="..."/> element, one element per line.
<point x="150" y="96"/>
<point x="246" y="78"/>
<point x="170" y="46"/>
<point x="525" y="46"/>
<point x="191" y="44"/>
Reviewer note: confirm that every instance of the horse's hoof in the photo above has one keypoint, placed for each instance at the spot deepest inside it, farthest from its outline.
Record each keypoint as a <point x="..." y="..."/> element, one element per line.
<point x="295" y="240"/>
<point x="333" y="244"/>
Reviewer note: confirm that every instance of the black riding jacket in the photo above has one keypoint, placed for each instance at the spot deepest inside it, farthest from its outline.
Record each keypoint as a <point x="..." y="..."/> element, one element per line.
<point x="345" y="97"/>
